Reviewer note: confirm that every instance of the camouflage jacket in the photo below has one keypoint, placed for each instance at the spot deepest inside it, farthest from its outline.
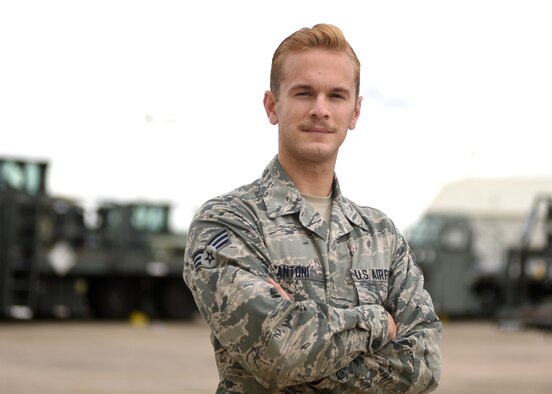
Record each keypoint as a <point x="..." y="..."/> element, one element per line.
<point x="332" y="336"/>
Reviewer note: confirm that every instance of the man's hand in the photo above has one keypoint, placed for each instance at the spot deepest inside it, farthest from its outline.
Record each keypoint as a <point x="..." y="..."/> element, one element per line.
<point x="392" y="327"/>
<point x="279" y="289"/>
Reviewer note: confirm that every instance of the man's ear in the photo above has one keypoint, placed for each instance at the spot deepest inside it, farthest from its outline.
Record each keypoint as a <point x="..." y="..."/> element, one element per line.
<point x="356" y="114"/>
<point x="269" y="102"/>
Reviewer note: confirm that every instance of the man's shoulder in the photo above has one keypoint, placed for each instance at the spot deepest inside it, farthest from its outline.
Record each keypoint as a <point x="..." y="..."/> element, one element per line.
<point x="366" y="209"/>
<point x="249" y="195"/>
<point x="372" y="217"/>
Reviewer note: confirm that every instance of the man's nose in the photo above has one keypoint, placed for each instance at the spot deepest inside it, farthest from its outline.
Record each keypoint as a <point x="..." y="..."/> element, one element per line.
<point x="319" y="108"/>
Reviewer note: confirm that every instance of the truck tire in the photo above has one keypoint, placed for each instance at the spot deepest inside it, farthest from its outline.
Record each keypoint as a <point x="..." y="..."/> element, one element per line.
<point x="113" y="298"/>
<point x="175" y="300"/>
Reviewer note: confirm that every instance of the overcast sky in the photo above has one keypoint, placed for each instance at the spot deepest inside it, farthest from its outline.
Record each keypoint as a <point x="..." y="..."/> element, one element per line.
<point x="162" y="100"/>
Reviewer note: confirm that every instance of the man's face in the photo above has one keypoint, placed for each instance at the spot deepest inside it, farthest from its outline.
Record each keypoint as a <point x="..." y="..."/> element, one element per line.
<point x="316" y="107"/>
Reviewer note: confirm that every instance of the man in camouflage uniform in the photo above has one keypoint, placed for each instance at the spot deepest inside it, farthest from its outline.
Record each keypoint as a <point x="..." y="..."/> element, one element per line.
<point x="304" y="290"/>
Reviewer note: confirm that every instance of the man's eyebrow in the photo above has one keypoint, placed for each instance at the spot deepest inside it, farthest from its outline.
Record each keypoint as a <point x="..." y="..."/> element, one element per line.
<point x="338" y="89"/>
<point x="341" y="90"/>
<point x="301" y="87"/>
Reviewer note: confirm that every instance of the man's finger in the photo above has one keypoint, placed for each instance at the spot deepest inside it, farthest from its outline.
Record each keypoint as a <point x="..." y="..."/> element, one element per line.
<point x="279" y="289"/>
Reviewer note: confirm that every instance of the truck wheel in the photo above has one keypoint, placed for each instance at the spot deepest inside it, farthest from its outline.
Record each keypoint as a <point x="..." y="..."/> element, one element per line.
<point x="113" y="299"/>
<point x="490" y="299"/>
<point x="175" y="300"/>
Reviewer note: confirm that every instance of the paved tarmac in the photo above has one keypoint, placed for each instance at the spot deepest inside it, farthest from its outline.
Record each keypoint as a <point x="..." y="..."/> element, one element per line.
<point x="120" y="357"/>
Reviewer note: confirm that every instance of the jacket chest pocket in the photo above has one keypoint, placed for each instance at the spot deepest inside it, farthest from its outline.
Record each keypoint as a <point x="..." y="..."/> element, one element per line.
<point x="304" y="289"/>
<point x="302" y="282"/>
<point x="371" y="291"/>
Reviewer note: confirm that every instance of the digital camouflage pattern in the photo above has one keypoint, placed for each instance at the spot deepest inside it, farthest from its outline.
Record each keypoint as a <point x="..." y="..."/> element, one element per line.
<point x="332" y="336"/>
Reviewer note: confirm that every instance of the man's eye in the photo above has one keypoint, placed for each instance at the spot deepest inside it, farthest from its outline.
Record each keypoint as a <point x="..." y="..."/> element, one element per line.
<point x="303" y="94"/>
<point x="338" y="96"/>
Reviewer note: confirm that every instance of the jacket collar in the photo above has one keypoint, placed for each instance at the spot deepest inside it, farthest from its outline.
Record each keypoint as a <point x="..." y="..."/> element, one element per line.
<point x="281" y="197"/>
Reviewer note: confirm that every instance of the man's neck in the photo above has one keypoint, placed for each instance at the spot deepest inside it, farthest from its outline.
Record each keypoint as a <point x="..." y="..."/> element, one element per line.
<point x="315" y="179"/>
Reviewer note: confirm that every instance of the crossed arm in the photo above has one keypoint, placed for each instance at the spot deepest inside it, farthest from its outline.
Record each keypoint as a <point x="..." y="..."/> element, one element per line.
<point x="409" y="363"/>
<point x="391" y="325"/>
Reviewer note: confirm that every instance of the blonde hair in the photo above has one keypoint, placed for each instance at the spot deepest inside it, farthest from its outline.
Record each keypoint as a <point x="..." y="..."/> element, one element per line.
<point x="320" y="36"/>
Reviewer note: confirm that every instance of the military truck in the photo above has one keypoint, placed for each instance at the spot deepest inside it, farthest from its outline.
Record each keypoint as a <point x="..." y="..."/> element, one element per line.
<point x="529" y="271"/>
<point x="57" y="262"/>
<point x="463" y="238"/>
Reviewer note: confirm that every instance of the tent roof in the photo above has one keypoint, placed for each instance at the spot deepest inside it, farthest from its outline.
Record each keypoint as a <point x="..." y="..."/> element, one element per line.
<point x="509" y="196"/>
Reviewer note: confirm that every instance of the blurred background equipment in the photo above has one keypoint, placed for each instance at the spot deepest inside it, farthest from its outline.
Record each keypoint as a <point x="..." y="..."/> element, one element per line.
<point x="471" y="245"/>
<point x="57" y="260"/>
<point x="529" y="270"/>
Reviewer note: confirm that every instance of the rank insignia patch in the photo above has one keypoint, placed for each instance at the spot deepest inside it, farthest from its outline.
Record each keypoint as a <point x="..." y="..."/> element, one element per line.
<point x="207" y="257"/>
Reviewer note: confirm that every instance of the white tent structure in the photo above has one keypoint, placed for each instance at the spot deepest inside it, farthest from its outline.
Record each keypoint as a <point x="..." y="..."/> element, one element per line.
<point x="509" y="197"/>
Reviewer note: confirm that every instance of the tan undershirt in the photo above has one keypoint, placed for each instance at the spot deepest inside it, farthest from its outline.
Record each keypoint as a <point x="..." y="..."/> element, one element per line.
<point x="321" y="204"/>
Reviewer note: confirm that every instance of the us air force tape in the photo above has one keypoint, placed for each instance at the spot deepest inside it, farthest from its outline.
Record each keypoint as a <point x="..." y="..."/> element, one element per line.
<point x="207" y="257"/>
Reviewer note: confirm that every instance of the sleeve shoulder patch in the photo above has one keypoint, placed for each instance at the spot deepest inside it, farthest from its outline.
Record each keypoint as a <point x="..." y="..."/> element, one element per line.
<point x="207" y="257"/>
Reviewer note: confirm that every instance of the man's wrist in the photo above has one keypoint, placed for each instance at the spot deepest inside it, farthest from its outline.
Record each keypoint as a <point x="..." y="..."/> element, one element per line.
<point x="375" y="320"/>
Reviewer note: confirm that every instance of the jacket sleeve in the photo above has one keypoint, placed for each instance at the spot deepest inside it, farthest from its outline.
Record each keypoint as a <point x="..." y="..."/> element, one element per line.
<point x="411" y="362"/>
<point x="280" y="342"/>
